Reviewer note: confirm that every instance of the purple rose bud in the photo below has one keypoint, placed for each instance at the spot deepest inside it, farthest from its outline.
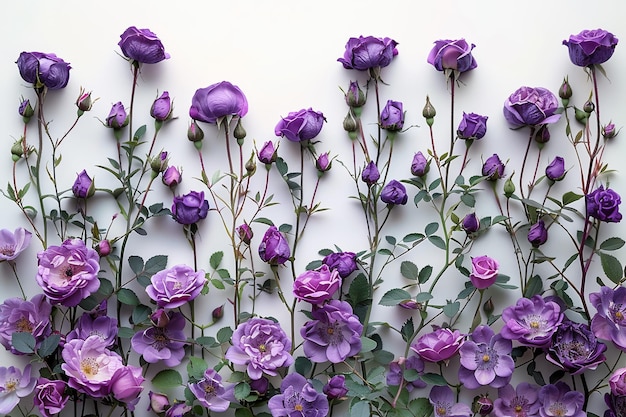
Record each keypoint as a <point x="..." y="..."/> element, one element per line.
<point x="194" y="133"/>
<point x="178" y="409"/>
<point x="336" y="387"/>
<point x="158" y="402"/>
<point x="484" y="271"/>
<point x="245" y="233"/>
<point x="470" y="223"/>
<point x="542" y="135"/>
<point x="608" y="131"/>
<point x="529" y="106"/>
<point x="473" y="126"/>
<point x="604" y="205"/>
<point x="190" y="208"/>
<point x="617" y="382"/>
<point x="26" y="110"/>
<point x="126" y="385"/>
<point x="555" y="171"/>
<point x="538" y="234"/>
<point x="267" y="154"/>
<point x="43" y="70"/>
<point x="394" y="193"/>
<point x="493" y="168"/>
<point x="420" y="165"/>
<point x="50" y="396"/>
<point x="104" y="248"/>
<point x="171" y="176"/>
<point x="301" y="125"/>
<point x="117" y="117"/>
<point x="591" y="47"/>
<point x="429" y="112"/>
<point x="274" y="248"/>
<point x="483" y="405"/>
<point x="217" y="101"/>
<point x="83" y="186"/>
<point x="322" y="163"/>
<point x="355" y="97"/>
<point x="84" y="101"/>
<point x="159" y="163"/>
<point x="410" y="305"/>
<point x="453" y="55"/>
<point x="160" y="318"/>
<point x="343" y="262"/>
<point x="217" y="313"/>
<point x="161" y="109"/>
<point x="439" y="345"/>
<point x="370" y="174"/>
<point x="565" y="91"/>
<point x="392" y="116"/>
<point x="368" y="52"/>
<point x="260" y="385"/>
<point x="142" y="45"/>
<point x="317" y="286"/>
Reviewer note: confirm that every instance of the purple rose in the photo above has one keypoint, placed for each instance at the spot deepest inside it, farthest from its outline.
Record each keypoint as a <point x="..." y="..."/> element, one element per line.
<point x="392" y="116"/>
<point x="300" y="125"/>
<point x="262" y="346"/>
<point x="18" y="315"/>
<point x="298" y="397"/>
<point x="453" y="55"/>
<point x="609" y="323"/>
<point x="616" y="404"/>
<point x="444" y="403"/>
<point x="617" y="382"/>
<point x="267" y="154"/>
<point x="336" y="387"/>
<point x="394" y="193"/>
<point x="104" y="327"/>
<point x="12" y="244"/>
<point x="591" y="47"/>
<point x="538" y="234"/>
<point x="274" y="249"/>
<point x="395" y="375"/>
<point x="210" y="392"/>
<point x="117" y="117"/>
<point x="343" y="262"/>
<point x="175" y="286"/>
<point x="484" y="271"/>
<point x="470" y="223"/>
<point x="608" y="131"/>
<point x="370" y="173"/>
<point x="317" y="286"/>
<point x="366" y="52"/>
<point x="419" y="165"/>
<point x="322" y="163"/>
<point x="473" y="126"/>
<point x="438" y="345"/>
<point x="603" y="204"/>
<point x="245" y="233"/>
<point x="39" y="69"/>
<point x="190" y="208"/>
<point x="529" y="106"/>
<point x="68" y="273"/>
<point x="486" y="359"/>
<point x="126" y="385"/>
<point x="532" y="322"/>
<point x="164" y="341"/>
<point x="158" y="402"/>
<point x="161" y="109"/>
<point x="520" y="401"/>
<point x="26" y="110"/>
<point x="83" y="186"/>
<point x="575" y="348"/>
<point x="50" y="396"/>
<point x="216" y="101"/>
<point x="559" y="400"/>
<point x="14" y="385"/>
<point x="493" y="168"/>
<point x="142" y="45"/>
<point x="171" y="176"/>
<point x="104" y="248"/>
<point x="555" y="171"/>
<point x="355" y="97"/>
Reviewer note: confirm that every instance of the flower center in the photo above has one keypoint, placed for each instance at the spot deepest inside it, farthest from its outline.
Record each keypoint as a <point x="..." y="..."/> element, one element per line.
<point x="23" y="325"/>
<point x="10" y="385"/>
<point x="534" y="325"/>
<point x="262" y="348"/>
<point x="557" y="409"/>
<point x="441" y="411"/>
<point x="486" y="358"/>
<point x="89" y="367"/>
<point x="68" y="273"/>
<point x="298" y="407"/>
<point x="209" y="389"/>
<point x="518" y="408"/>
<point x="8" y="250"/>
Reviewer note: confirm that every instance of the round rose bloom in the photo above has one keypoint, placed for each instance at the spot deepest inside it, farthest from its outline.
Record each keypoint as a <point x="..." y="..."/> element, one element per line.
<point x="470" y="223"/>
<point x="161" y="109"/>
<point x="317" y="286"/>
<point x="68" y="273"/>
<point x="47" y="69"/>
<point x="617" y="382"/>
<point x="609" y="323"/>
<point x="484" y="271"/>
<point x="392" y="116"/>
<point x="452" y="55"/>
<point x="493" y="168"/>
<point x="142" y="45"/>
<point x="532" y="322"/>
<point x="343" y="262"/>
<point x="394" y="193"/>
<point x="274" y="249"/>
<point x="575" y="348"/>
<point x="300" y="125"/>
<point x="50" y="396"/>
<point x="126" y="385"/>
<point x="439" y="345"/>
<point x="473" y="126"/>
<point x="12" y="244"/>
<point x="604" y="205"/>
<point x="367" y="52"/>
<point x="190" y="208"/>
<point x="216" y="101"/>
<point x="560" y="400"/>
<point x="591" y="47"/>
<point x="520" y="401"/>
<point x="529" y="106"/>
<point x="262" y="346"/>
<point x="83" y="186"/>
<point x="18" y="315"/>
<point x="555" y="171"/>
<point x="175" y="286"/>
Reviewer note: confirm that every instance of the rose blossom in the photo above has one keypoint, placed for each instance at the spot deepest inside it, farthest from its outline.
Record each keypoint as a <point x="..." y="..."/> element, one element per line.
<point x="591" y="47"/>
<point x="317" y="286"/>
<point x="25" y="110"/>
<point x="158" y="402"/>
<point x="262" y="346"/>
<point x="216" y="101"/>
<point x="532" y="322"/>
<point x="190" y="208"/>
<point x="473" y="126"/>
<point x="161" y="109"/>
<point x="419" y="165"/>
<point x="452" y="55"/>
<point x="559" y="400"/>
<point x="301" y="125"/>
<point x="245" y="233"/>
<point x="367" y="52"/>
<point x="616" y="404"/>
<point x="609" y="323"/>
<point x="104" y="327"/>
<point x="575" y="348"/>
<point x="617" y="382"/>
<point x="444" y="403"/>
<point x="14" y="384"/>
<point x="335" y="388"/>
<point x="538" y="234"/>
<point x="604" y="205"/>
<point x="18" y="315"/>
<point x="117" y="117"/>
<point x="470" y="223"/>
<point x="394" y="193"/>
<point x="267" y="154"/>
<point x="12" y="244"/>
<point x="392" y="116"/>
<point x="370" y="173"/>
<point x="298" y="397"/>
<point x="47" y="69"/>
<point x="519" y="402"/>
<point x="68" y="273"/>
<point x="142" y="45"/>
<point x="274" y="248"/>
<point x="83" y="186"/>
<point x="438" y="345"/>
<point x="173" y="287"/>
<point x="555" y="171"/>
<point x="484" y="271"/>
<point x="163" y="341"/>
<point x="529" y="106"/>
<point x="126" y="385"/>
<point x="493" y="168"/>
<point x="172" y="176"/>
<point x="50" y="396"/>
<point x="343" y="262"/>
<point x="210" y="392"/>
<point x="486" y="359"/>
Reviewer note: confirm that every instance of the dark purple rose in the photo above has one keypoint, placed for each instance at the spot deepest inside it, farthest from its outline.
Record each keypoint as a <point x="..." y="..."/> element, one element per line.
<point x="493" y="168"/>
<point x="210" y="392"/>
<point x="555" y="171"/>
<point x="473" y="126"/>
<point x="260" y="385"/>
<point x="367" y="52"/>
<point x="529" y="106"/>
<point x="262" y="346"/>
<point x="216" y="101"/>
<point x="83" y="186"/>
<point x="484" y="271"/>
<point x="532" y="322"/>
<point x="14" y="385"/>
<point x="18" y="315"/>
<point x="617" y="382"/>
<point x="419" y="165"/>
<point x="142" y="45"/>
<point x="300" y="125"/>
<point x="470" y="223"/>
<point x="190" y="208"/>
<point x="520" y="401"/>
<point x="560" y="400"/>
<point x="395" y="375"/>
<point x="333" y="334"/>
<point x="453" y="55"/>
<point x="336" y="387"/>
<point x="68" y="273"/>
<point x="538" y="234"/>
<point x="245" y="233"/>
<point x="394" y="193"/>
<point x="604" y="205"/>
<point x="166" y="343"/>
<point x="343" y="262"/>
<point x="267" y="154"/>
<point x="392" y="116"/>
<point x="50" y="396"/>
<point x="13" y="243"/>
<point x="486" y="359"/>
<point x="444" y="403"/>
<point x="609" y="323"/>
<point x="274" y="249"/>
<point x="438" y="345"/>
<point x="370" y="173"/>
<point x="117" y="117"/>
<point x="104" y="327"/>
<point x="575" y="348"/>
<point x="161" y="108"/>
<point x="355" y="97"/>
<point x="298" y="398"/>
<point x="591" y="47"/>
<point x="171" y="176"/>
<point x="126" y="385"/>
<point x="317" y="286"/>
<point x="41" y="69"/>
<point x="178" y="285"/>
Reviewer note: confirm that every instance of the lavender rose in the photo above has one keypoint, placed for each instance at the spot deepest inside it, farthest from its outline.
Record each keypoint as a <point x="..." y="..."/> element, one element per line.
<point x="591" y="47"/>
<point x="83" y="185"/>
<point x="175" y="286"/>
<point x="486" y="359"/>
<point x="117" y="117"/>
<point x="161" y="109"/>
<point x="13" y="243"/>
<point x="453" y="55"/>
<point x="210" y="392"/>
<point x="317" y="286"/>
<point x="532" y="322"/>
<point x="420" y="165"/>
<point x="190" y="208"/>
<point x="439" y="345"/>
<point x="470" y="223"/>
<point x="608" y="323"/>
<point x="41" y="69"/>
<point x="617" y="382"/>
<point x="171" y="176"/>
<point x="87" y="325"/>
<point x="484" y="271"/>
<point x="472" y="127"/>
<point x="50" y="396"/>
<point x="394" y="193"/>
<point x="300" y="125"/>
<point x="392" y="116"/>
<point x="18" y="315"/>
<point x="142" y="45"/>
<point x="164" y="340"/>
<point x="274" y="248"/>
<point x="529" y="106"/>
<point x="335" y="388"/>
<point x="267" y="154"/>
<point x="126" y="385"/>
<point x="575" y="348"/>
<point x="366" y="52"/>
<point x="603" y="204"/>
<point x="522" y="400"/>
<point x="14" y="385"/>
<point x="216" y="101"/>
<point x="560" y="400"/>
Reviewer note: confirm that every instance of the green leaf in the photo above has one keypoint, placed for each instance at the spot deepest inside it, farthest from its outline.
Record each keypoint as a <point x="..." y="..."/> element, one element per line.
<point x="263" y="220"/>
<point x="244" y="412"/>
<point x="437" y="241"/>
<point x="570" y="197"/>
<point x="155" y="264"/>
<point x="303" y="365"/>
<point x="196" y="367"/>
<point x="224" y="334"/>
<point x="140" y="314"/>
<point x="360" y="409"/>
<point x="136" y="264"/>
<point x="425" y="274"/>
<point x="23" y="342"/>
<point x="412" y="237"/>
<point x="139" y="133"/>
<point x="611" y="267"/>
<point x="420" y="407"/>
<point x="106" y="288"/>
<point x="367" y="344"/>
<point x="242" y="390"/>
<point x="216" y="259"/>
<point x="407" y="329"/>
<point x="49" y="345"/>
<point x="423" y="296"/>
<point x="431" y="228"/>
<point x="125" y="332"/>
<point x="434" y="379"/>
<point x="451" y="309"/>
<point x="534" y="286"/>
<point x="409" y="270"/>
<point x="167" y="378"/>
<point x="128" y="297"/>
<point x="394" y="297"/>
<point x="359" y="291"/>
<point x="612" y="243"/>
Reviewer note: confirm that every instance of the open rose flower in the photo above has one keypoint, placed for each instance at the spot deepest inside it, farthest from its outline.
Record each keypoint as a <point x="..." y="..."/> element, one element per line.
<point x="50" y="396"/>
<point x="453" y="55"/>
<point x="603" y="204"/>
<point x="367" y="52"/>
<point x="41" y="69"/>
<point x="142" y="45"/>
<point x="609" y="323"/>
<point x="317" y="286"/>
<point x="216" y="101"/>
<point x="591" y="47"/>
<point x="298" y="397"/>
<point x="210" y="391"/>
<point x="300" y="125"/>
<point x="13" y="243"/>
<point x="438" y="345"/>
<point x="484" y="271"/>
<point x="532" y="322"/>
<point x="190" y="208"/>
<point x="486" y="359"/>
<point x="14" y="385"/>
<point x="175" y="286"/>
<point x="529" y="106"/>
<point x="472" y="127"/>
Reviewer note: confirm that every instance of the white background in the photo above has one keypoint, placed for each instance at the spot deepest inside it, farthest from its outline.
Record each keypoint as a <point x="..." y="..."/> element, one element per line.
<point x="283" y="54"/>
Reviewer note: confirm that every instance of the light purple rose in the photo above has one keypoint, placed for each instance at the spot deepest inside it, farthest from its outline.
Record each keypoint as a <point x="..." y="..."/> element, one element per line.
<point x="472" y="127"/>
<point x="366" y="52"/>
<point x="50" y="397"/>
<point x="591" y="47"/>
<point x="323" y="163"/>
<point x="438" y="345"/>
<point x="14" y="385"/>
<point x="245" y="233"/>
<point x="529" y="106"/>
<point x="210" y="392"/>
<point x="484" y="271"/>
<point x="267" y="154"/>
<point x="158" y="402"/>
<point x="617" y="382"/>
<point x="104" y="327"/>
<point x="486" y="359"/>
<point x="532" y="322"/>
<point x="300" y="125"/>
<point x="298" y="397"/>
<point x="274" y="249"/>
<point x="453" y="55"/>
<point x="83" y="185"/>
<point x="335" y="388"/>
<point x="39" y="69"/>
<point x="161" y="109"/>
<point x="216" y="101"/>
<point x="603" y="204"/>
<point x="142" y="45"/>
<point x="68" y="273"/>
<point x="178" y="285"/>
<point x="172" y="176"/>
<point x="609" y="323"/>
<point x="126" y="385"/>
<point x="12" y="244"/>
<point x="164" y="341"/>
<point x="560" y="400"/>
<point x="317" y="286"/>
<point x="190" y="208"/>
<point x="392" y="116"/>
<point x="117" y="117"/>
<point x="394" y="193"/>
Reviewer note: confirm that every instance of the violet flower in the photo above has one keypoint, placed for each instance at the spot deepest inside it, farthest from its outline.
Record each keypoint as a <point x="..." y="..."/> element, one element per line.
<point x="370" y="173"/>
<point x="50" y="397"/>
<point x="603" y="204"/>
<point x="470" y="223"/>
<point x="165" y="343"/>
<point x="555" y="171"/>
<point x="438" y="345"/>
<point x="190" y="208"/>
<point x="103" y="326"/>
<point x="126" y="385"/>
<point x="161" y="109"/>
<point x="609" y="323"/>
<point x="14" y="384"/>
<point x="486" y="359"/>
<point x="212" y="103"/>
<point x="559" y="400"/>
<point x="41" y="69"/>
<point x="368" y="52"/>
<point x="493" y="168"/>
<point x="453" y="55"/>
<point x="83" y="185"/>
<point x="12" y="244"/>
<point x="472" y="127"/>
<point x="317" y="286"/>
<point x="210" y="392"/>
<point x="575" y="348"/>
<point x="173" y="287"/>
<point x="267" y="153"/>
<point x="395" y="374"/>
<point x="392" y="116"/>
<point x="335" y="388"/>
<point x="343" y="262"/>
<point x="274" y="248"/>
<point x="591" y="47"/>
<point x="616" y="404"/>
<point x="142" y="45"/>
<point x="117" y="118"/>
<point x="18" y="315"/>
<point x="394" y="193"/>
<point x="300" y="125"/>
<point x="532" y="322"/>
<point x="420" y="165"/>
<point x="538" y="234"/>
<point x="522" y="401"/>
<point x="617" y="382"/>
<point x="444" y="403"/>
<point x="529" y="106"/>
<point x="298" y="398"/>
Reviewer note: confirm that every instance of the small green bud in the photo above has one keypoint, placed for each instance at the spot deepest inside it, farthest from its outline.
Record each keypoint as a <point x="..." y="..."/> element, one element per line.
<point x="509" y="188"/>
<point x="194" y="133"/>
<point x="355" y="97"/>
<point x="488" y="307"/>
<point x="239" y="132"/>
<point x="429" y="111"/>
<point x="17" y="150"/>
<point x="349" y="123"/>
<point x="589" y="107"/>
<point x="251" y="165"/>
